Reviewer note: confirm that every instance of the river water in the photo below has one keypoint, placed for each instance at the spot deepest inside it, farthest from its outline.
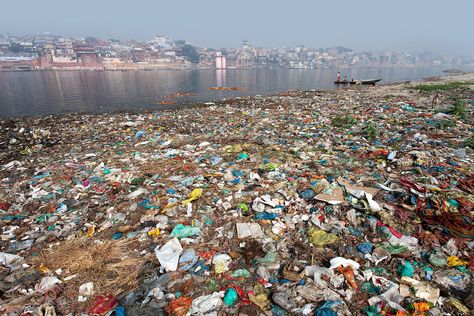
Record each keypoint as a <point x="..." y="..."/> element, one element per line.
<point x="57" y="92"/>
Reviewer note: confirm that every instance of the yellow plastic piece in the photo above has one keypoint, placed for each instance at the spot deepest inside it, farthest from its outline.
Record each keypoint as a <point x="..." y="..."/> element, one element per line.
<point x="196" y="194"/>
<point x="454" y="261"/>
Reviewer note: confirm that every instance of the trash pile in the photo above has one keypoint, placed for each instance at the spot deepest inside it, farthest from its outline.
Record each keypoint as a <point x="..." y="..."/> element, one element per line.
<point x="305" y="203"/>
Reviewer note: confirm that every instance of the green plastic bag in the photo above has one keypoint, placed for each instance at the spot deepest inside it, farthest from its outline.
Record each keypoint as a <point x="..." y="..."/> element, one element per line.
<point x="406" y="269"/>
<point x="183" y="231"/>
<point x="230" y="297"/>
<point x="241" y="273"/>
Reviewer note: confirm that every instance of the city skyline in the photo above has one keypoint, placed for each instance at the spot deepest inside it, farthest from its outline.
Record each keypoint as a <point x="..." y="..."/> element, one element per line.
<point x="220" y="48"/>
<point x="47" y="51"/>
<point x="405" y="26"/>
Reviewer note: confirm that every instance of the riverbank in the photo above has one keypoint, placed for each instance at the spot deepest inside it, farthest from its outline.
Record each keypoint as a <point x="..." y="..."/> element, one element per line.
<point x="152" y="67"/>
<point x="351" y="200"/>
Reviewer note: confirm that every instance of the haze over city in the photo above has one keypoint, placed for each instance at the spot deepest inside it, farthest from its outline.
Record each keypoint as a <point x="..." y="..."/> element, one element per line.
<point x="412" y="26"/>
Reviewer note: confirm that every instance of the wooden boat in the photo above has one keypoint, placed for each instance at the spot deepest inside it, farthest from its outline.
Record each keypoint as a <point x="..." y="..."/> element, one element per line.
<point x="369" y="81"/>
<point x="167" y="102"/>
<point x="224" y="88"/>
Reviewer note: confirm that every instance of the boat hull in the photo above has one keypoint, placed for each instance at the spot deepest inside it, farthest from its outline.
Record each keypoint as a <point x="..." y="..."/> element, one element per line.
<point x="370" y="81"/>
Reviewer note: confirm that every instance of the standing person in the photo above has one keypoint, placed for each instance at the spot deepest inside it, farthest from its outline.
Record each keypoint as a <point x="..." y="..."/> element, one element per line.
<point x="338" y="76"/>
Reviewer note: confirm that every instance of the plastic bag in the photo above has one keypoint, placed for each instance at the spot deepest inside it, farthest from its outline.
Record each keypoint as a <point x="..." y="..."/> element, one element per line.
<point x="168" y="255"/>
<point x="221" y="262"/>
<point x="206" y="304"/>
<point x="195" y="194"/>
<point x="319" y="237"/>
<point x="340" y="261"/>
<point x="179" y="306"/>
<point x="230" y="297"/>
<point x="183" y="231"/>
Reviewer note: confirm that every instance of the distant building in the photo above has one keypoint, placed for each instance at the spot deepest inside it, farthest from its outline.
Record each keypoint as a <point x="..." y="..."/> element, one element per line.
<point x="86" y="55"/>
<point x="64" y="47"/>
<point x="162" y="42"/>
<point x="62" y="62"/>
<point x="221" y="62"/>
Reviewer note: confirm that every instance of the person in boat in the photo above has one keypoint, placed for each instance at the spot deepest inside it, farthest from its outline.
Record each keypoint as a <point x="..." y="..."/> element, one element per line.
<point x="338" y="76"/>
<point x="345" y="78"/>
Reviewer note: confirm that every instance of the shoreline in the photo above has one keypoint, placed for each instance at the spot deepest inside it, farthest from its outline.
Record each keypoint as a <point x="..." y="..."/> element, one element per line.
<point x="99" y="69"/>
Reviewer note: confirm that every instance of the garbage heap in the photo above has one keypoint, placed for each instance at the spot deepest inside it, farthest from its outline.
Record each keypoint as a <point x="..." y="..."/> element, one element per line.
<point x="343" y="202"/>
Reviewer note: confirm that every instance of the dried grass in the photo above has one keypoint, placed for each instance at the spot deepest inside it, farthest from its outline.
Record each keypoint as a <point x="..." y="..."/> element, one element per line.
<point x="110" y="264"/>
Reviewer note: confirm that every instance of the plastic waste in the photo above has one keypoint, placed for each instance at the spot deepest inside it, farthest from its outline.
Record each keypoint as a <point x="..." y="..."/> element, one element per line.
<point x="317" y="272"/>
<point x="438" y="259"/>
<point x="307" y="194"/>
<point x="86" y="289"/>
<point x="168" y="254"/>
<point x="278" y="311"/>
<point x="252" y="230"/>
<point x="188" y="259"/>
<point x="241" y="273"/>
<point x="221" y="263"/>
<point x="46" y="309"/>
<point x="266" y="216"/>
<point x="179" y="306"/>
<point x="194" y="195"/>
<point x="10" y="260"/>
<point x="452" y="278"/>
<point x="343" y="262"/>
<point x="102" y="304"/>
<point x="422" y="289"/>
<point x="454" y="261"/>
<point x="349" y="276"/>
<point x="260" y="300"/>
<point x="406" y="269"/>
<point x="319" y="237"/>
<point x="319" y="207"/>
<point x="284" y="300"/>
<point x="365" y="247"/>
<point x="119" y="311"/>
<point x="458" y="305"/>
<point x="205" y="304"/>
<point x="326" y="309"/>
<point x="47" y="283"/>
<point x="230" y="297"/>
<point x="183" y="231"/>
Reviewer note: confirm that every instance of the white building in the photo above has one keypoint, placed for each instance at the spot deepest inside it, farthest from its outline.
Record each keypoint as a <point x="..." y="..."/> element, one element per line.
<point x="162" y="42"/>
<point x="221" y="62"/>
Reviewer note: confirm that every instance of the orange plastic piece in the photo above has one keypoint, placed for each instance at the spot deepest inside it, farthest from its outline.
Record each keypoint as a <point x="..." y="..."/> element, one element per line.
<point x="349" y="276"/>
<point x="179" y="306"/>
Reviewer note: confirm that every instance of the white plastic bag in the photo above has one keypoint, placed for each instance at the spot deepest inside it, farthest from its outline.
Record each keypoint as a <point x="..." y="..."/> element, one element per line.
<point x="168" y="255"/>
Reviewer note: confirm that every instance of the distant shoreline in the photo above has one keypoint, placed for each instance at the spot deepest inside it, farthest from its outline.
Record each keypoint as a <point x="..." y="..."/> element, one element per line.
<point x="213" y="69"/>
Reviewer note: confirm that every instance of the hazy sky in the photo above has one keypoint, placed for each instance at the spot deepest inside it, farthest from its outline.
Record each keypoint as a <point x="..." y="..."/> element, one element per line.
<point x="409" y="25"/>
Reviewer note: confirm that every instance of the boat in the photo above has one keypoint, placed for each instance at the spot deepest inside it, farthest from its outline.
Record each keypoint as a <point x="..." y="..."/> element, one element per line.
<point x="224" y="88"/>
<point x="167" y="102"/>
<point x="368" y="81"/>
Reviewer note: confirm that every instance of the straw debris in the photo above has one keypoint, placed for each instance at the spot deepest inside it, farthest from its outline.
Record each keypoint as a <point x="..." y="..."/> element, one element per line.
<point x="110" y="265"/>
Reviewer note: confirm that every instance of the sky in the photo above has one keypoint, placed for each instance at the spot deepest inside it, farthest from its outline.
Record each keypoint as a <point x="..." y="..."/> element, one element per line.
<point x="401" y="25"/>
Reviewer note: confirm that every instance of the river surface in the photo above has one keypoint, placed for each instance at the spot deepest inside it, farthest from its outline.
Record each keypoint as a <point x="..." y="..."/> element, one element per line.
<point x="56" y="92"/>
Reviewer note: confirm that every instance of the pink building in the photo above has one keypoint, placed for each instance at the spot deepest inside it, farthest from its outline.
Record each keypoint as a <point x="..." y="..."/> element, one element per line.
<point x="220" y="61"/>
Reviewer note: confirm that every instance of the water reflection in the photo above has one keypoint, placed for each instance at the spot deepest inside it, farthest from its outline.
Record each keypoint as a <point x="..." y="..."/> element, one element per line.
<point x="221" y="78"/>
<point x="49" y="92"/>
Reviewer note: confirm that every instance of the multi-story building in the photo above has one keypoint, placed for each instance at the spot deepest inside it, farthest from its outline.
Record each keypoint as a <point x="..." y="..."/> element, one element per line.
<point x="86" y="55"/>
<point x="221" y="62"/>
